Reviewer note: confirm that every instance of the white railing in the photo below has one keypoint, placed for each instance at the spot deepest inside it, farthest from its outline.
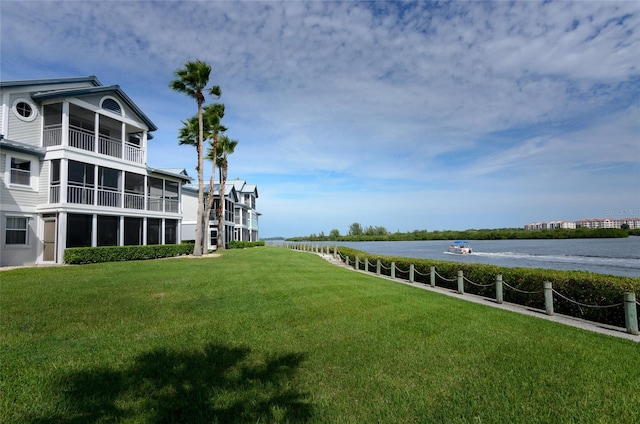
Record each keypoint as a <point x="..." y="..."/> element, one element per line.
<point x="154" y="203"/>
<point x="80" y="195"/>
<point x="110" y="146"/>
<point x="133" y="153"/>
<point x="109" y="198"/>
<point x="54" y="194"/>
<point x="81" y="139"/>
<point x="134" y="201"/>
<point x="170" y="205"/>
<point x="52" y="135"/>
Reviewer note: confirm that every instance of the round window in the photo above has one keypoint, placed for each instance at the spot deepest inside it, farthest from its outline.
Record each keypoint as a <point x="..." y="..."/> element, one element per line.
<point x="24" y="110"/>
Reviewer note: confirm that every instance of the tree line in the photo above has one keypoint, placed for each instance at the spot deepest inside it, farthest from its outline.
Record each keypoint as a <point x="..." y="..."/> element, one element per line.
<point x="357" y="232"/>
<point x="206" y="125"/>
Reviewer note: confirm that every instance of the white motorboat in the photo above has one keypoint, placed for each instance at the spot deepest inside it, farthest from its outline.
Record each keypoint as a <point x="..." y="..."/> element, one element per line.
<point x="460" y="247"/>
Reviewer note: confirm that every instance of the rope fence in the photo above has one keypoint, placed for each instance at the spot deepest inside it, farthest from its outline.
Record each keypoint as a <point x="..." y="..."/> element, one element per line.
<point x="630" y="303"/>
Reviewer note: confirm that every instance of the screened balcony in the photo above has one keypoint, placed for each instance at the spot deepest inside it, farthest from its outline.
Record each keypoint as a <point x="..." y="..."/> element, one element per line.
<point x="112" y="138"/>
<point x="88" y="184"/>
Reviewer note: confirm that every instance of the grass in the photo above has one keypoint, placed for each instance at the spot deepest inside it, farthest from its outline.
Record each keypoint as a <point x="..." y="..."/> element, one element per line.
<point x="273" y="335"/>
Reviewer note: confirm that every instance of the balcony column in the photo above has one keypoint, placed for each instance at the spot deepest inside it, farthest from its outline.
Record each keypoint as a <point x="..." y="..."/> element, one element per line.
<point x="94" y="230"/>
<point x="96" y="193"/>
<point x="146" y="193"/>
<point x="144" y="231"/>
<point x="123" y="142"/>
<point x="64" y="177"/>
<point x="143" y="146"/>
<point x="65" y="124"/>
<point x="96" y="132"/>
<point x="121" y="232"/>
<point x="61" y="242"/>
<point x="162" y="224"/>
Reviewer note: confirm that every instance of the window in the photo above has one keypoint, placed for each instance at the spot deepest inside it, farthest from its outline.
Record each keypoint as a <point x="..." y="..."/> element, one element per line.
<point x="170" y="231"/>
<point x="79" y="228"/>
<point x="111" y="105"/>
<point x="108" y="230"/>
<point x="24" y="110"/>
<point x="16" y="231"/>
<point x="20" y="171"/>
<point x="154" y="226"/>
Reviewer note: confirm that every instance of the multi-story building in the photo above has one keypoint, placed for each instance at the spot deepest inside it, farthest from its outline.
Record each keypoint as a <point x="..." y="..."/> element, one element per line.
<point x="633" y="223"/>
<point x="190" y="202"/>
<point x="73" y="171"/>
<point x="246" y="215"/>
<point x="550" y="225"/>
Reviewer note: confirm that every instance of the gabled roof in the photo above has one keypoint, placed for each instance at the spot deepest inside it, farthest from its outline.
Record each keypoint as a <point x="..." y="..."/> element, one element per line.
<point x="84" y="91"/>
<point x="229" y="189"/>
<point x="93" y="87"/>
<point x="17" y="146"/>
<point x="49" y="81"/>
<point x="172" y="172"/>
<point x="242" y="187"/>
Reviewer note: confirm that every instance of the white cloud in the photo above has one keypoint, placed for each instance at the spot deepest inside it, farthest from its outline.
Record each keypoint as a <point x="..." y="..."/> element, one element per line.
<point x="371" y="92"/>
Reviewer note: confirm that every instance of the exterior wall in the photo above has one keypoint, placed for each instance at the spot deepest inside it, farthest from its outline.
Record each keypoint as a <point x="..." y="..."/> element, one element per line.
<point x="17" y="197"/>
<point x="20" y="254"/>
<point x="23" y="131"/>
<point x="18" y="201"/>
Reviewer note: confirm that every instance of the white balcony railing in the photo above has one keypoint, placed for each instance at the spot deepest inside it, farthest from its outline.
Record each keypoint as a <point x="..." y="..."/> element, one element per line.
<point x="85" y="139"/>
<point x="52" y="135"/>
<point x="154" y="203"/>
<point x="133" y="153"/>
<point x="109" y="146"/>
<point x="134" y="201"/>
<point x="54" y="194"/>
<point x="82" y="195"/>
<point x="170" y="205"/>
<point x="81" y="139"/>
<point x="109" y="198"/>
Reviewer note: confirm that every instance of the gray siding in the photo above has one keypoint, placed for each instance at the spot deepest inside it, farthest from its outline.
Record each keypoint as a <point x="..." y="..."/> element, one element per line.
<point x="19" y="255"/>
<point x="19" y="130"/>
<point x="10" y="197"/>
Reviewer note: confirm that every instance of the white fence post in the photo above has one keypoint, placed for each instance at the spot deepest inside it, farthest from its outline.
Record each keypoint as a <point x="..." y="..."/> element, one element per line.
<point x="499" y="288"/>
<point x="460" y="282"/>
<point x="432" y="276"/>
<point x="411" y="271"/>
<point x="631" y="313"/>
<point x="548" y="297"/>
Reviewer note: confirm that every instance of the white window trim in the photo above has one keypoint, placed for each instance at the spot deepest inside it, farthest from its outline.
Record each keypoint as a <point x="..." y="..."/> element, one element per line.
<point x="34" y="110"/>
<point x="34" y="176"/>
<point x="27" y="243"/>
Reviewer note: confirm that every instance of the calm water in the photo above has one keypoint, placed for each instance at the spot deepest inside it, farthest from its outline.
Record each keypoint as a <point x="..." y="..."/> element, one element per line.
<point x="603" y="256"/>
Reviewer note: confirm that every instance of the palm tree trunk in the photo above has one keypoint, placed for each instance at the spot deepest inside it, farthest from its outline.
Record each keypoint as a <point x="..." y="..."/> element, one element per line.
<point x="221" y="207"/>
<point x="199" y="242"/>
<point x="211" y="196"/>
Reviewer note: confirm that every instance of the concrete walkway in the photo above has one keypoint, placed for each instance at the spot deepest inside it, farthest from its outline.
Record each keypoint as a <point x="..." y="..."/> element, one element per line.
<point x="595" y="327"/>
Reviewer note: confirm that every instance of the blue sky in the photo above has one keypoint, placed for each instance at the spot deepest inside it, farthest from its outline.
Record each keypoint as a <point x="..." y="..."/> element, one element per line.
<point x="407" y="115"/>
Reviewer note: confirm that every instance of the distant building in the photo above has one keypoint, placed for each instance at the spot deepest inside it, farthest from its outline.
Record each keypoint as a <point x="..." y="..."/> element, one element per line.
<point x="240" y="216"/>
<point x="633" y="223"/>
<point x="550" y="225"/>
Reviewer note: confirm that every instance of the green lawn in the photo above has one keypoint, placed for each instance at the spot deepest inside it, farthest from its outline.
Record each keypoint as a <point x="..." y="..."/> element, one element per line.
<point x="273" y="335"/>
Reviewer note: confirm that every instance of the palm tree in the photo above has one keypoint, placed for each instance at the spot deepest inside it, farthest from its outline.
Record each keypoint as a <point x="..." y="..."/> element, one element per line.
<point x="192" y="81"/>
<point x="188" y="135"/>
<point x="226" y="147"/>
<point x="213" y="115"/>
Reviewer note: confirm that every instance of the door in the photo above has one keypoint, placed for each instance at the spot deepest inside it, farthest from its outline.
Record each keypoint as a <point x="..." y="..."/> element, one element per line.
<point x="49" y="254"/>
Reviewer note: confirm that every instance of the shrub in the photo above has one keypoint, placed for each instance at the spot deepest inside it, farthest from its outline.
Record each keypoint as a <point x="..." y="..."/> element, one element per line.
<point x="583" y="287"/>
<point x="86" y="255"/>
<point x="242" y="244"/>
